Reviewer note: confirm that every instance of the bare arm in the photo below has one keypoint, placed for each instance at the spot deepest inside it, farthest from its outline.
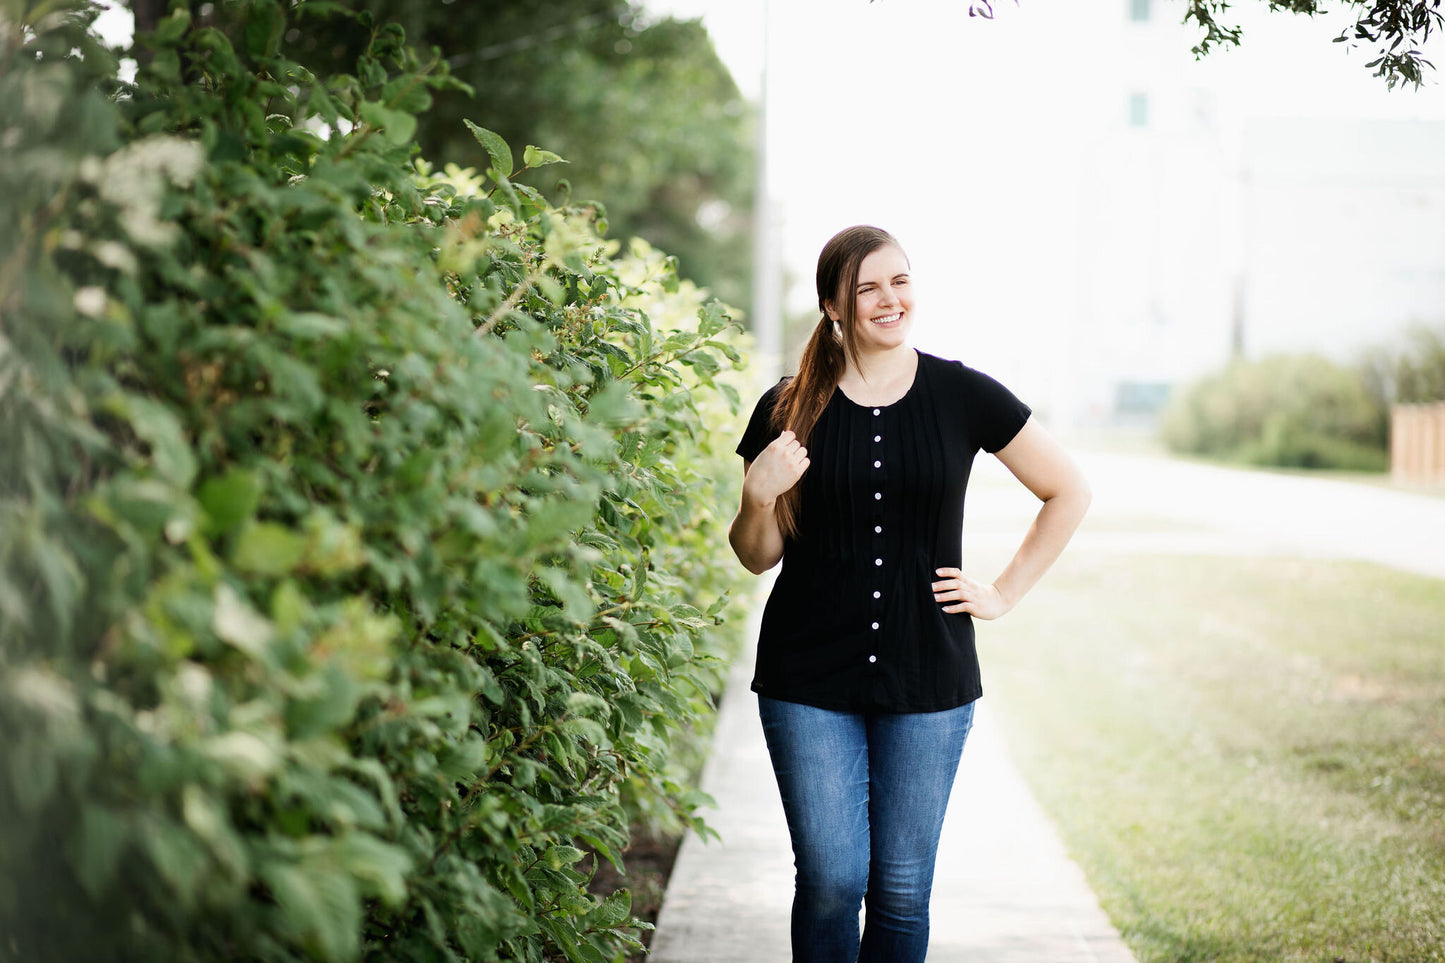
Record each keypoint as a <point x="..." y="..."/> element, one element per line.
<point x="754" y="534"/>
<point x="1043" y="466"/>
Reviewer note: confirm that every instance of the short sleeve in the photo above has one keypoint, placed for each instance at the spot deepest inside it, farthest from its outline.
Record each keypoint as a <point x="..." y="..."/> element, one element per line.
<point x="759" y="433"/>
<point x="995" y="414"/>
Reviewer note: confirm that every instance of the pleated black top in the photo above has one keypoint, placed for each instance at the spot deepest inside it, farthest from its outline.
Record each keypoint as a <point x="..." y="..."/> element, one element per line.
<point x="851" y="623"/>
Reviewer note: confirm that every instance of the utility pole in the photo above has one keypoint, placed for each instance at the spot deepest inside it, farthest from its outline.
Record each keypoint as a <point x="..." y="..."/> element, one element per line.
<point x="767" y="322"/>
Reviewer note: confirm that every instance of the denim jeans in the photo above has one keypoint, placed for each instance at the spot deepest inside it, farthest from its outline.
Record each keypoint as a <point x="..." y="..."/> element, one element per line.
<point x="864" y="795"/>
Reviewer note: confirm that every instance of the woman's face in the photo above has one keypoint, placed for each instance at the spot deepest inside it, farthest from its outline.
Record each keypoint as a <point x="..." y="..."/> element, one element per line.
<point x="882" y="300"/>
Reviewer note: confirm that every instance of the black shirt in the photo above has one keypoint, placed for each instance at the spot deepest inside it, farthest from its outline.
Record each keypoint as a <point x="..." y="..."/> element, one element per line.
<point x="852" y="623"/>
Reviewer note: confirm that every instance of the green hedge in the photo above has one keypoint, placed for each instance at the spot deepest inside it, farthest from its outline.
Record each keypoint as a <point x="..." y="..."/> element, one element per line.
<point x="361" y="545"/>
<point x="1295" y="411"/>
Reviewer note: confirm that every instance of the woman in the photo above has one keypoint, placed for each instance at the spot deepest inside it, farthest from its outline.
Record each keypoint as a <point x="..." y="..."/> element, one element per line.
<point x="854" y="477"/>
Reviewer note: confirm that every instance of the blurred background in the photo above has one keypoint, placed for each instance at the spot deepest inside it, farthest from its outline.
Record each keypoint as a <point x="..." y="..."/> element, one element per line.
<point x="1093" y="213"/>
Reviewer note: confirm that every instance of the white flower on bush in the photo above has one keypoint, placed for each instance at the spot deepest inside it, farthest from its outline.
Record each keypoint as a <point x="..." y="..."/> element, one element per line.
<point x="90" y="301"/>
<point x="135" y="178"/>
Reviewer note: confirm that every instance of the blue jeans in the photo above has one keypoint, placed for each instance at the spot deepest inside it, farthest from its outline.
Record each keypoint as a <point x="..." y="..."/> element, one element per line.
<point x="864" y="795"/>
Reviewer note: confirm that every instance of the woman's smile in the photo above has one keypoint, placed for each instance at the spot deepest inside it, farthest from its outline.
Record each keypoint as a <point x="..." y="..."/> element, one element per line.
<point x="883" y="300"/>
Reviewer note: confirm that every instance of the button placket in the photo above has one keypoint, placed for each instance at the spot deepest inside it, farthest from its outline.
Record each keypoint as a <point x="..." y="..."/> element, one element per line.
<point x="876" y="478"/>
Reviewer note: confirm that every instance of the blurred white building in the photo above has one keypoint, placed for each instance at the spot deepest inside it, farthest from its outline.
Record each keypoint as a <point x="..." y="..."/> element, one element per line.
<point x="1211" y="222"/>
<point x="1093" y="215"/>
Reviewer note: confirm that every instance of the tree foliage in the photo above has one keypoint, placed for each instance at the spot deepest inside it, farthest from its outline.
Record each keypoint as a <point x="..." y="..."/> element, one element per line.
<point x="1396" y="29"/>
<point x="645" y="110"/>
<point x="1418" y="374"/>
<point x="1408" y="370"/>
<point x="360" y="561"/>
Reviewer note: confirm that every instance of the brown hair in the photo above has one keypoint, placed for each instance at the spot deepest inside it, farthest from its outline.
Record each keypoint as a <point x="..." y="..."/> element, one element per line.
<point x="803" y="398"/>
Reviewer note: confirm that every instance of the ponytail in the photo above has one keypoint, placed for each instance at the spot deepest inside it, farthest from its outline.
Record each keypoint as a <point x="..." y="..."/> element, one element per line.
<point x="801" y="403"/>
<point x="802" y="400"/>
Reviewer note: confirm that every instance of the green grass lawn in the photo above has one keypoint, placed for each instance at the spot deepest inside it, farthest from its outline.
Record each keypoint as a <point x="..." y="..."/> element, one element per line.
<point x="1247" y="756"/>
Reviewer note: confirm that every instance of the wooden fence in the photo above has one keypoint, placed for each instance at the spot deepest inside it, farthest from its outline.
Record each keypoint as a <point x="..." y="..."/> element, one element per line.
<point x="1417" y="443"/>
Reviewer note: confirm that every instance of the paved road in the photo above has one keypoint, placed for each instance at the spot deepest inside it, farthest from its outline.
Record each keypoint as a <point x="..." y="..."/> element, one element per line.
<point x="1151" y="504"/>
<point x="1006" y="890"/>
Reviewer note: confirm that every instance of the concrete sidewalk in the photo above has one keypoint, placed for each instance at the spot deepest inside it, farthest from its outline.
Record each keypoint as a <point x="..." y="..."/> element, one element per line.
<point x="1004" y="891"/>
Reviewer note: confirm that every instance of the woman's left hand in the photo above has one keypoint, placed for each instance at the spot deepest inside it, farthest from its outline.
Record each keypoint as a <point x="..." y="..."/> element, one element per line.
<point x="962" y="594"/>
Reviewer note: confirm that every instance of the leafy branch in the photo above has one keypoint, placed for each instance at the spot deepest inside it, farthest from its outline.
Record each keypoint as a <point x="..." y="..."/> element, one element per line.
<point x="1397" y="29"/>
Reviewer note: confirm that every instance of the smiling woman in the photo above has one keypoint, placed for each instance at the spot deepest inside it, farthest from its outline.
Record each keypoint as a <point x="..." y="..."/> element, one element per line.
<point x="854" y="477"/>
<point x="883" y="311"/>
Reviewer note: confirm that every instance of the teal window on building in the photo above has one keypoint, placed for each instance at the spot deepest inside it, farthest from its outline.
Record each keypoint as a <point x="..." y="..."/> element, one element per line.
<point x="1138" y="109"/>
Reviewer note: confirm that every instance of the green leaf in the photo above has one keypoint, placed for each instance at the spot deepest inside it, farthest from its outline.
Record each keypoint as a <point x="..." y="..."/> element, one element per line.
<point x="172" y="28"/>
<point x="239" y="624"/>
<point x="61" y="577"/>
<point x="496" y="148"/>
<point x="461" y="762"/>
<point x="407" y="92"/>
<point x="332" y="546"/>
<point x="560" y="856"/>
<point x="230" y="499"/>
<point x="102" y="838"/>
<point x="380" y="866"/>
<point x="175" y="854"/>
<point x="243" y="755"/>
<point x="318" y="902"/>
<point x="451" y="709"/>
<point x="266" y="548"/>
<point x="14" y="604"/>
<point x="32" y="771"/>
<point x="536" y="157"/>
<point x="488" y="687"/>
<point x="206" y="816"/>
<point x="614" y="911"/>
<point x="397" y="126"/>
<point x="310" y="325"/>
<point x="263" y="28"/>
<point x="719" y="605"/>
<point x="331" y="702"/>
<point x="156" y="425"/>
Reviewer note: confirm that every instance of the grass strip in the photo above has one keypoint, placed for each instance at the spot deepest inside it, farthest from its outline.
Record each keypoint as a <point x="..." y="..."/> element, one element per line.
<point x="1246" y="756"/>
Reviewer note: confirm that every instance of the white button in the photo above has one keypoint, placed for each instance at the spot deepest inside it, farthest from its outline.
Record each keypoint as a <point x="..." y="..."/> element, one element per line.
<point x="872" y="658"/>
<point x="877" y="594"/>
<point x="876" y="412"/>
<point x="877" y="464"/>
<point x="878" y="561"/>
<point x="875" y="625"/>
<point x="877" y="437"/>
<point x="878" y="529"/>
<point x="877" y="496"/>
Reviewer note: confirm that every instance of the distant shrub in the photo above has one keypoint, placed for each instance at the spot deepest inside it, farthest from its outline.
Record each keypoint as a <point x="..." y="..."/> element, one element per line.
<point x="1419" y="369"/>
<point x="1297" y="411"/>
<point x="362" y="548"/>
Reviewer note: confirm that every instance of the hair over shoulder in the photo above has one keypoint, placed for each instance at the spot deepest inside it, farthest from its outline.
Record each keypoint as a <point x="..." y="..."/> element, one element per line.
<point x="825" y="356"/>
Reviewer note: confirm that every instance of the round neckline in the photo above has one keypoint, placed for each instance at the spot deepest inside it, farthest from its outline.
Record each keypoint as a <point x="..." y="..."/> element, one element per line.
<point x="838" y="389"/>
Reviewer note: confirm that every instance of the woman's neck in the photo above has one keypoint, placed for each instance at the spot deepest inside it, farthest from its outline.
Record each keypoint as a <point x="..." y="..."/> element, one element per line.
<point x="881" y="377"/>
<point x="880" y="367"/>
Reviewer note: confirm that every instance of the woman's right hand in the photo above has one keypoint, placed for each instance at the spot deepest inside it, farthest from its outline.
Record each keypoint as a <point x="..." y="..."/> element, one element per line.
<point x="776" y="469"/>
